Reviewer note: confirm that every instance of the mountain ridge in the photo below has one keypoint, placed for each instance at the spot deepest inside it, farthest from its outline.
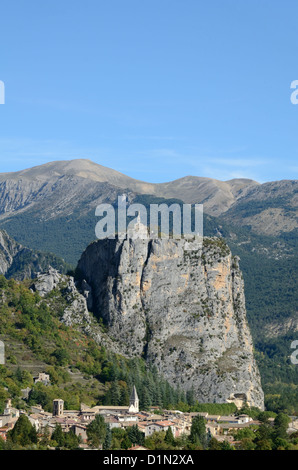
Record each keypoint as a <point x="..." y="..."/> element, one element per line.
<point x="191" y="189"/>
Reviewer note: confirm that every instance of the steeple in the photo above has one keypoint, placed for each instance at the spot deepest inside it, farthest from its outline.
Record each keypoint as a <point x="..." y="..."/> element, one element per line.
<point x="134" y="401"/>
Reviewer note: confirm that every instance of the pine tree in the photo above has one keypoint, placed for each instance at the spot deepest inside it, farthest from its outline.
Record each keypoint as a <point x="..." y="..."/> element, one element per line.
<point x="190" y="397"/>
<point x="169" y="439"/>
<point x="108" y="439"/>
<point x="158" y="397"/>
<point x="18" y="374"/>
<point x="124" y="397"/>
<point x="23" y="432"/>
<point x="96" y="431"/>
<point x="198" y="431"/>
<point x="115" y="394"/>
<point x="135" y="435"/>
<point x="146" y="402"/>
<point x="58" y="435"/>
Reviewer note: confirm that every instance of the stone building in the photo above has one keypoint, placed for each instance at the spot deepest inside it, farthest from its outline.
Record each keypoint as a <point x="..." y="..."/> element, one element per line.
<point x="58" y="407"/>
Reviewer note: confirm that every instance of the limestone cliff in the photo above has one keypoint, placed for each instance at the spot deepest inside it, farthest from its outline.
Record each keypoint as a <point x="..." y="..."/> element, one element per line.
<point x="22" y="263"/>
<point x="183" y="310"/>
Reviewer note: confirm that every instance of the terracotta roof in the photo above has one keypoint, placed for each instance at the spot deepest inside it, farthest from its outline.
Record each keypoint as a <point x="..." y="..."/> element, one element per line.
<point x="164" y="423"/>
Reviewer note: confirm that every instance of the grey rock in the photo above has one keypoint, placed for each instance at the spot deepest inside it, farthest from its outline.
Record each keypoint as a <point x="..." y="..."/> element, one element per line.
<point x="9" y="248"/>
<point x="76" y="310"/>
<point x="183" y="310"/>
<point x="21" y="262"/>
<point x="87" y="293"/>
<point x="76" y="313"/>
<point x="47" y="281"/>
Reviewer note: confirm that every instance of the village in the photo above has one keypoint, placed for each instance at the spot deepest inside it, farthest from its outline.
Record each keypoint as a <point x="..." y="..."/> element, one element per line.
<point x="149" y="422"/>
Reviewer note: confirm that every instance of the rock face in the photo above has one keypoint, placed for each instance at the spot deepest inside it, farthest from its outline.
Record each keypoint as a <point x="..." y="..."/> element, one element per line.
<point x="183" y="310"/>
<point x="8" y="250"/>
<point x="73" y="304"/>
<point x="22" y="263"/>
<point x="76" y="311"/>
<point x="18" y="261"/>
<point x="47" y="281"/>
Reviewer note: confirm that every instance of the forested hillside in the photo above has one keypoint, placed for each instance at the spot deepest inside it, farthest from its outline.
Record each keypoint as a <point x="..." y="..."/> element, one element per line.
<point x="269" y="266"/>
<point x="80" y="370"/>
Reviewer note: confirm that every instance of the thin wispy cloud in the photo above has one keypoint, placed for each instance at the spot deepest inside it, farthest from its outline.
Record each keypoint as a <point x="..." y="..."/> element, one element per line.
<point x="157" y="164"/>
<point x="23" y="153"/>
<point x="238" y="162"/>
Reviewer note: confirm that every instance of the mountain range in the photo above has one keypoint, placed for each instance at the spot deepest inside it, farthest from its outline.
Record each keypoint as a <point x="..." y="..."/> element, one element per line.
<point x="58" y="189"/>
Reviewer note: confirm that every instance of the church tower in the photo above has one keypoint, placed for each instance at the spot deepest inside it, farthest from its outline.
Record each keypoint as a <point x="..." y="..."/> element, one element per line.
<point x="134" y="401"/>
<point x="58" y="407"/>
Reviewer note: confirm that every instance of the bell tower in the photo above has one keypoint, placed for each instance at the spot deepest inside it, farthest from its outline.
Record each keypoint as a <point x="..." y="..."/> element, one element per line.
<point x="58" y="407"/>
<point x="134" y="401"/>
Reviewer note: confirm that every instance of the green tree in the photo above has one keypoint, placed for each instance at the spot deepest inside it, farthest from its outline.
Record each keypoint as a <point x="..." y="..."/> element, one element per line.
<point x="45" y="440"/>
<point x="281" y="424"/>
<point x="157" y="441"/>
<point x="71" y="441"/>
<point x="62" y="357"/>
<point x="3" y="282"/>
<point x="124" y="397"/>
<point x="214" y="444"/>
<point x="115" y="394"/>
<point x="198" y="434"/>
<point x="146" y="401"/>
<point x="18" y="374"/>
<point x="126" y="443"/>
<point x="108" y="439"/>
<point x="190" y="396"/>
<point x="135" y="435"/>
<point x="26" y="378"/>
<point x="96" y="431"/>
<point x="169" y="439"/>
<point x="281" y="444"/>
<point x="264" y="444"/>
<point x="244" y="433"/>
<point x="226" y="446"/>
<point x="58" y="435"/>
<point x="23" y="432"/>
<point x="264" y="432"/>
<point x="247" y="444"/>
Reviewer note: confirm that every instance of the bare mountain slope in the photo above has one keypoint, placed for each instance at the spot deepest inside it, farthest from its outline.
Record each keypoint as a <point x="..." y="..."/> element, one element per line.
<point x="269" y="209"/>
<point x="63" y="188"/>
<point x="23" y="188"/>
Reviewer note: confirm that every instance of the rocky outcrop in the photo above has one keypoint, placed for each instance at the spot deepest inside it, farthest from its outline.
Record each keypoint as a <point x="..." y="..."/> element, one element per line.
<point x="47" y="281"/>
<point x="183" y="310"/>
<point x="76" y="311"/>
<point x="9" y="248"/>
<point x="22" y="263"/>
<point x="72" y="303"/>
<point x="18" y="261"/>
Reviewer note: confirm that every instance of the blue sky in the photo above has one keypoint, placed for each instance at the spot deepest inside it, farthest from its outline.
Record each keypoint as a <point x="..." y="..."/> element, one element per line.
<point x="156" y="89"/>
